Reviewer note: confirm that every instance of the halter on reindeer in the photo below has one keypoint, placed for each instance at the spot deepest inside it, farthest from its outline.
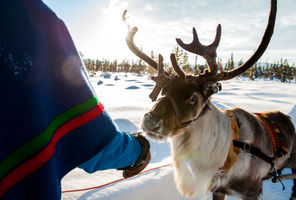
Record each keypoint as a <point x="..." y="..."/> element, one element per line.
<point x="228" y="152"/>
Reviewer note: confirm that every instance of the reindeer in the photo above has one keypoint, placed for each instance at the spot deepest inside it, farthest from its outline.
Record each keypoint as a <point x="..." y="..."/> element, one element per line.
<point x="228" y="152"/>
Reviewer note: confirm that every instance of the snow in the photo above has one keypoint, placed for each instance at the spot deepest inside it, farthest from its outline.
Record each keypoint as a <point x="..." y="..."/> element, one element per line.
<point x="125" y="97"/>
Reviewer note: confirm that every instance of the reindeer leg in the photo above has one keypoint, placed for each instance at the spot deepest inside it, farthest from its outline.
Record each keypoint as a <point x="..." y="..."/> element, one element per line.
<point x="218" y="196"/>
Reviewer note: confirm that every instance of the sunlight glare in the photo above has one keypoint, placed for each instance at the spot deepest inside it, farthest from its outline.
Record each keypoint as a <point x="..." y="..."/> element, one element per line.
<point x="110" y="33"/>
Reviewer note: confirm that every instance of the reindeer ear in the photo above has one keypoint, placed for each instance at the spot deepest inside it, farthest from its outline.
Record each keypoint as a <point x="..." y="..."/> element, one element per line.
<point x="210" y="88"/>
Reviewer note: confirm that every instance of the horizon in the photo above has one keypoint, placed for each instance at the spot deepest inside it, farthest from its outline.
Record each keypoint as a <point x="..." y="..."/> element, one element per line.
<point x="99" y="33"/>
<point x="191" y="64"/>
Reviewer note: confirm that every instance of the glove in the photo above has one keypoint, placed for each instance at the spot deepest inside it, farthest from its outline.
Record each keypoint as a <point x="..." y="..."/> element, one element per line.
<point x="143" y="159"/>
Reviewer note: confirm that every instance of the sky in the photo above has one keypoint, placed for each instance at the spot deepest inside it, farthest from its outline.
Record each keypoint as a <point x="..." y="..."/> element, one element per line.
<point x="99" y="33"/>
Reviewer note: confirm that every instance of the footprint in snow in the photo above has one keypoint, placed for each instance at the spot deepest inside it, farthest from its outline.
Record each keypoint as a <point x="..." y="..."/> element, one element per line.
<point x="132" y="88"/>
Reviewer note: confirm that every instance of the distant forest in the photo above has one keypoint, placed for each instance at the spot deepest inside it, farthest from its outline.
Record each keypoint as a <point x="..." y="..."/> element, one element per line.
<point x="280" y="70"/>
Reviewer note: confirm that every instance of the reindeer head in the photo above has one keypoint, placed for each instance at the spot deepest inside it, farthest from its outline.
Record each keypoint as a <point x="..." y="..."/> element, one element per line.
<point x="186" y="97"/>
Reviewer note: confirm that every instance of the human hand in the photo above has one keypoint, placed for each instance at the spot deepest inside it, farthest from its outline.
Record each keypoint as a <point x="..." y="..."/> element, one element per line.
<point x="143" y="159"/>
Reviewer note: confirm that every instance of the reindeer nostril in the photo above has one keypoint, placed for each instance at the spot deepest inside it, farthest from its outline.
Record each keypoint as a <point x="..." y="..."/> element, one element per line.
<point x="151" y="122"/>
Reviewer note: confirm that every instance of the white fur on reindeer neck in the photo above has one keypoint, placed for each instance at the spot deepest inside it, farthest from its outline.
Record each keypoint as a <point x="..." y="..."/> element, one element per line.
<point x="201" y="157"/>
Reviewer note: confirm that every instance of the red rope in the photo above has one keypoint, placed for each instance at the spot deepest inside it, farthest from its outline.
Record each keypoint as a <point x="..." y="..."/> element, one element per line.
<point x="118" y="180"/>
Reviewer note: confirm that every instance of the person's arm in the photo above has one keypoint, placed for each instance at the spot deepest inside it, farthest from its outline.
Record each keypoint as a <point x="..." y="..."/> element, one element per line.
<point x="53" y="120"/>
<point x="126" y="152"/>
<point x="121" y="152"/>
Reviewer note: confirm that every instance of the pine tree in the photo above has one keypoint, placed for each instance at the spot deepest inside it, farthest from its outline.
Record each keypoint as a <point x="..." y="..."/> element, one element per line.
<point x="152" y="55"/>
<point x="256" y="72"/>
<point x="115" y="65"/>
<point x="230" y="63"/>
<point x="178" y="53"/>
<point x="195" y="65"/>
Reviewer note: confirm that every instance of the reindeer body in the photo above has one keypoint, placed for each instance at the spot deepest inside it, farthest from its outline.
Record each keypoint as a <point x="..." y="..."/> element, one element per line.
<point x="201" y="150"/>
<point x="201" y="135"/>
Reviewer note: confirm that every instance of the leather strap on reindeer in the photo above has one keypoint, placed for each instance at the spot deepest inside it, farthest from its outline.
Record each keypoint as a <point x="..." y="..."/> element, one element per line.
<point x="276" y="139"/>
<point x="234" y="151"/>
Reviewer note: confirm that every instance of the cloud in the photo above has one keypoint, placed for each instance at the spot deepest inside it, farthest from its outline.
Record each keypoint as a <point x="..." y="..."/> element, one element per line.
<point x="160" y="22"/>
<point x="243" y="24"/>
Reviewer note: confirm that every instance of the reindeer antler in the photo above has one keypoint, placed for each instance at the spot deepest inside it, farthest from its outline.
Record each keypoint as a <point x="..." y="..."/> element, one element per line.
<point x="161" y="77"/>
<point x="130" y="42"/>
<point x="176" y="67"/>
<point x="209" y="52"/>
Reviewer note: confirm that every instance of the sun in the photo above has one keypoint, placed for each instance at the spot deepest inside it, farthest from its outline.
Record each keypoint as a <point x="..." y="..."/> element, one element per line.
<point x="112" y="31"/>
<point x="106" y="37"/>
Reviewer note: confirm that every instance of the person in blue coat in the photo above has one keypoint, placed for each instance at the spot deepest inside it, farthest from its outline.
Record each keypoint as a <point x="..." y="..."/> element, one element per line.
<point x="51" y="119"/>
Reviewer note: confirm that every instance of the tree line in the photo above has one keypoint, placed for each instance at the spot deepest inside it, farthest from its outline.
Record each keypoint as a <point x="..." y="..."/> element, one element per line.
<point x="280" y="70"/>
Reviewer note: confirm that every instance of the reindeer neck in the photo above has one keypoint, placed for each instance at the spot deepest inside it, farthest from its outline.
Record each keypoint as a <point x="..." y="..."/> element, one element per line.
<point x="209" y="136"/>
<point x="201" y="151"/>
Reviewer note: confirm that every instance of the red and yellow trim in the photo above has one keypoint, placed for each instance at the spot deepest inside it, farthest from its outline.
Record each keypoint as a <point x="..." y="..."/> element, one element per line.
<point x="277" y="141"/>
<point x="35" y="153"/>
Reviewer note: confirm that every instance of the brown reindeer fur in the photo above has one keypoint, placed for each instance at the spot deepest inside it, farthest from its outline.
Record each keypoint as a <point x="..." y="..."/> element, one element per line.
<point x="250" y="125"/>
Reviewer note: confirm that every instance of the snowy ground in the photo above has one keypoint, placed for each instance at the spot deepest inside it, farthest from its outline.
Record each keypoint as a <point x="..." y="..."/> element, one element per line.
<point x="125" y="97"/>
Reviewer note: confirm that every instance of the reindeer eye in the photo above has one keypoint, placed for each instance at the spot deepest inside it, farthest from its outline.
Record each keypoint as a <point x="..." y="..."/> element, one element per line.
<point x="192" y="100"/>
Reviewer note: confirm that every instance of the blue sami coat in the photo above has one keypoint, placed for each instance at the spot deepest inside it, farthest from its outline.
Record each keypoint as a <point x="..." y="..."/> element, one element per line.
<point x="51" y="120"/>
